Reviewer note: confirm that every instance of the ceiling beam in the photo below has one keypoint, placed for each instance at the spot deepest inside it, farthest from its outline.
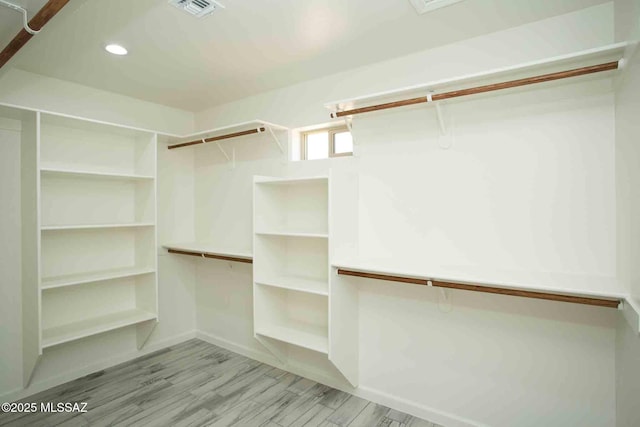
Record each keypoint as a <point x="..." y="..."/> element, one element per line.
<point x="48" y="11"/>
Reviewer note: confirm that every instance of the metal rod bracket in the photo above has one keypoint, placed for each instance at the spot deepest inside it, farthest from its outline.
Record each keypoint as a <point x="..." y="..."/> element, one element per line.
<point x="275" y="138"/>
<point x="439" y="113"/>
<point x="231" y="159"/>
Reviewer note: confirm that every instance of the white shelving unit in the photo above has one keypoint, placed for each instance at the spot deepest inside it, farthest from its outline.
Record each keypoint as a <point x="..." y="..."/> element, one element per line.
<point x="91" y="188"/>
<point x="291" y="262"/>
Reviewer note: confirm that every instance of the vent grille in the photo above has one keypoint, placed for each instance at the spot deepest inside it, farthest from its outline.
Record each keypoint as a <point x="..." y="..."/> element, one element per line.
<point x="424" y="6"/>
<point x="197" y="8"/>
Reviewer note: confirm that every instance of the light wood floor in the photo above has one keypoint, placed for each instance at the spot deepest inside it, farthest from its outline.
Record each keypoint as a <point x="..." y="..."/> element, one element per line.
<point x="199" y="384"/>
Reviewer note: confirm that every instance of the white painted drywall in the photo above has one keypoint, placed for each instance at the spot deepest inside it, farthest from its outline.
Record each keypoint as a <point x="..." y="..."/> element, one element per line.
<point x="299" y="105"/>
<point x="529" y="186"/>
<point x="627" y="375"/>
<point x="627" y="111"/>
<point x="10" y="294"/>
<point x="23" y="89"/>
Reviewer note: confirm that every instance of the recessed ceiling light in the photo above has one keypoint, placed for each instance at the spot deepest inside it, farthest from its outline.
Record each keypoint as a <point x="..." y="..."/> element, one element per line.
<point x="116" y="49"/>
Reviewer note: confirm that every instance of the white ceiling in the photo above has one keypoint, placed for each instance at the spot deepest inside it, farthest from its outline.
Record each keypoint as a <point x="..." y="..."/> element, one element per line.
<point x="253" y="45"/>
<point x="11" y="20"/>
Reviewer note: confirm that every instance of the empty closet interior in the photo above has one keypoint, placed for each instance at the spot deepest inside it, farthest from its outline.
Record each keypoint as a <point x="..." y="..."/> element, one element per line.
<point x="448" y="227"/>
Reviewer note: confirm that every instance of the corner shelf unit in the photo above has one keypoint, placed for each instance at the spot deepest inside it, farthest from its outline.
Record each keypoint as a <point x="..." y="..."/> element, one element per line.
<point x="90" y="189"/>
<point x="291" y="262"/>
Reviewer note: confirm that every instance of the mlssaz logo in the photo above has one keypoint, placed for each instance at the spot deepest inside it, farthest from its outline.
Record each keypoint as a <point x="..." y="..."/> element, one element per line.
<point x="53" y="407"/>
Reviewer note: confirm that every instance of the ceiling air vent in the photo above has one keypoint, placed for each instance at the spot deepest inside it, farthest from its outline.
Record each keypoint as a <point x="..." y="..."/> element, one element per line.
<point x="424" y="6"/>
<point x="197" y="8"/>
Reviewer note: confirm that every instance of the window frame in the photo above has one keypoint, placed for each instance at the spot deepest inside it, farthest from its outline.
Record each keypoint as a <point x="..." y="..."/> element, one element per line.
<point x="332" y="131"/>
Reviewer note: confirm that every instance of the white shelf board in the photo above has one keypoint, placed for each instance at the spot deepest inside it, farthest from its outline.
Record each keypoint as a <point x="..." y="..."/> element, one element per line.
<point x="95" y="226"/>
<point x="292" y="234"/>
<point x="79" y="279"/>
<point x="86" y="328"/>
<point x="300" y="284"/>
<point x="573" y="60"/>
<point x="290" y="181"/>
<point x="305" y="335"/>
<point x="208" y="248"/>
<point x="232" y="128"/>
<point x="569" y="284"/>
<point x="59" y="172"/>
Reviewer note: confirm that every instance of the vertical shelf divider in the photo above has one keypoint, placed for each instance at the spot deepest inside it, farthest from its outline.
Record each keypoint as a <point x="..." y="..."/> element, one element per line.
<point x="31" y="244"/>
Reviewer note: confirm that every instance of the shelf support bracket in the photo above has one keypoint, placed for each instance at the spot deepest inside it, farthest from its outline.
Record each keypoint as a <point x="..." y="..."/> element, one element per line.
<point x="232" y="159"/>
<point x="144" y="331"/>
<point x="445" y="139"/>
<point x="282" y="358"/>
<point x="348" y="121"/>
<point x="28" y="376"/>
<point x="444" y="303"/>
<point x="439" y="113"/>
<point x="275" y="138"/>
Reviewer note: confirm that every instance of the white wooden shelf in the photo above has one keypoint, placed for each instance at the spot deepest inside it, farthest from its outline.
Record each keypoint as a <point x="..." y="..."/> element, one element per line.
<point x="612" y="52"/>
<point x="266" y="181"/>
<point x="95" y="226"/>
<point x="293" y="234"/>
<point x="97" y="276"/>
<point x="225" y="133"/>
<point x="304" y="335"/>
<point x="60" y="172"/>
<point x="294" y="283"/>
<point x="86" y="328"/>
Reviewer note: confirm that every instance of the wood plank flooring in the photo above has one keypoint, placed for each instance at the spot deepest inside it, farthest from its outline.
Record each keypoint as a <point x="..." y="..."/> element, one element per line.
<point x="199" y="384"/>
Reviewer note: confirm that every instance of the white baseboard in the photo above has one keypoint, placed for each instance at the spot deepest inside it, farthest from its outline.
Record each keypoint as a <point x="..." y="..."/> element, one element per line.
<point x="415" y="409"/>
<point x="410" y="407"/>
<point x="95" y="367"/>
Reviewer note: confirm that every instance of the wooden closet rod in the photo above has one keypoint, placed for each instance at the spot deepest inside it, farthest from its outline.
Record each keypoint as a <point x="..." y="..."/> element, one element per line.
<point x="219" y="138"/>
<point x="608" y="66"/>
<point x="600" y="302"/>
<point x="39" y="20"/>
<point x="213" y="256"/>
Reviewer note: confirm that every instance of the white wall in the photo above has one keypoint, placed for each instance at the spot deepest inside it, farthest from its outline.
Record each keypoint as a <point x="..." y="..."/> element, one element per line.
<point x="23" y="89"/>
<point x="10" y="295"/>
<point x="299" y="105"/>
<point x="627" y="375"/>
<point x="627" y="109"/>
<point x="529" y="187"/>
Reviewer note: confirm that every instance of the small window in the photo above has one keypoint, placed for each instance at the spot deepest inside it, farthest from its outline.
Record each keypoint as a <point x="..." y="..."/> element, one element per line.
<point x="325" y="143"/>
